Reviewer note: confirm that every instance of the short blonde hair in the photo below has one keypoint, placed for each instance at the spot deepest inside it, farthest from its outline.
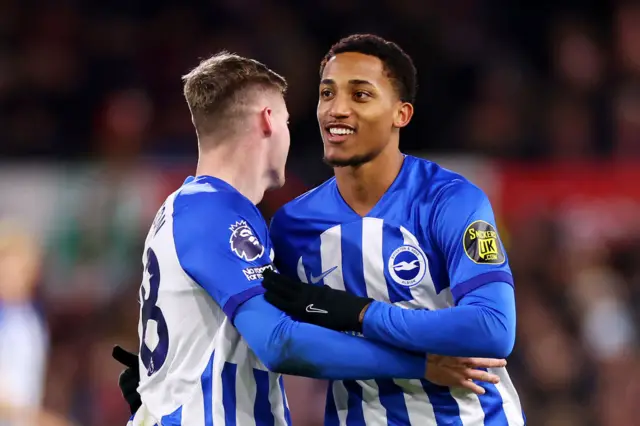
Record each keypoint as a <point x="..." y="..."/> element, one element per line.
<point x="219" y="86"/>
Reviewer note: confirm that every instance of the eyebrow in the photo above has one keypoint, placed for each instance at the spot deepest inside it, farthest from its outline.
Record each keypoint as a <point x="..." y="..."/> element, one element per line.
<point x="354" y="82"/>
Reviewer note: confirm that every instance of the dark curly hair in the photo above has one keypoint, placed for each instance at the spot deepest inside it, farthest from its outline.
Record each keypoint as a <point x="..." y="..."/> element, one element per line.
<point x="397" y="63"/>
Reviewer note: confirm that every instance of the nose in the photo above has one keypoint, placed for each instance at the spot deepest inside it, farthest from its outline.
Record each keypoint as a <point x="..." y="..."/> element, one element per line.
<point x="339" y="108"/>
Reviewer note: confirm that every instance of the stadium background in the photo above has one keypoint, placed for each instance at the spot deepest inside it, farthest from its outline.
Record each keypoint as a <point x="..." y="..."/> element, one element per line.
<point x="536" y="101"/>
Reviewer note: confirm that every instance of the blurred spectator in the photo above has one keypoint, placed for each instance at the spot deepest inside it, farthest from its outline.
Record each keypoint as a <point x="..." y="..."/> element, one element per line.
<point x="627" y="38"/>
<point x="23" y="336"/>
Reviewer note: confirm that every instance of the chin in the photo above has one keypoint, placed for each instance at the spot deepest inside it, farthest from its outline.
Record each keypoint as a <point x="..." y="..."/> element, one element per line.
<point x="350" y="161"/>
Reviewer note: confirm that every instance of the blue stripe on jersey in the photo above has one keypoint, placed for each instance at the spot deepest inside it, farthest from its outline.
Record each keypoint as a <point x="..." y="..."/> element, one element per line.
<point x="287" y="413"/>
<point x="392" y="240"/>
<point x="236" y="300"/>
<point x="355" y="415"/>
<point x="461" y="289"/>
<point x="207" y="391"/>
<point x="262" y="407"/>
<point x="445" y="407"/>
<point x="331" y="411"/>
<point x="229" y="393"/>
<point x="173" y="419"/>
<point x="352" y="266"/>
<point x="491" y="403"/>
<point x="392" y="399"/>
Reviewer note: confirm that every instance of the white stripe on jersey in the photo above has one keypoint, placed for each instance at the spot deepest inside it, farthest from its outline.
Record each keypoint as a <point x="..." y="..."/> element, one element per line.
<point x="419" y="408"/>
<point x="471" y="413"/>
<point x="141" y="418"/>
<point x="302" y="274"/>
<point x="194" y="414"/>
<point x="424" y="293"/>
<point x="510" y="400"/>
<point x="372" y="259"/>
<point x="331" y="256"/>
<point x="275" y="397"/>
<point x="245" y="396"/>
<point x="372" y="410"/>
<point x="341" y="401"/>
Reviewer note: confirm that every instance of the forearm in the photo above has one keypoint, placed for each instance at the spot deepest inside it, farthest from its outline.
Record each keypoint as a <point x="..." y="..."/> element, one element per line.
<point x="291" y="347"/>
<point x="482" y="325"/>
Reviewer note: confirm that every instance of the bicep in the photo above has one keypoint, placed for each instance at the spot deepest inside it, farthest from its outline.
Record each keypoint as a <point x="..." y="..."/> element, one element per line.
<point x="225" y="253"/>
<point x="465" y="231"/>
<point x="229" y="281"/>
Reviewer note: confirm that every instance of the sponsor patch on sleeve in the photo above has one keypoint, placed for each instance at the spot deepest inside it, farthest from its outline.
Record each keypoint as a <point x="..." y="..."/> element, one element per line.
<point x="482" y="243"/>
<point x="255" y="273"/>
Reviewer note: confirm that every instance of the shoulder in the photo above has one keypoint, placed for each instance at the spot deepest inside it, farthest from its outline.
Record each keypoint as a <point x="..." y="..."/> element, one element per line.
<point x="208" y="214"/>
<point x="461" y="192"/>
<point x="438" y="184"/>
<point x="203" y="200"/>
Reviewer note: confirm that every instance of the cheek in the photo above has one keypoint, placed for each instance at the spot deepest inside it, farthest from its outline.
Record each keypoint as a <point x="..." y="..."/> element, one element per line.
<point x="320" y="111"/>
<point x="377" y="123"/>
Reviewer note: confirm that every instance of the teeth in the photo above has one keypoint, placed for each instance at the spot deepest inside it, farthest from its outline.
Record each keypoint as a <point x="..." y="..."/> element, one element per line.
<point x="340" y="131"/>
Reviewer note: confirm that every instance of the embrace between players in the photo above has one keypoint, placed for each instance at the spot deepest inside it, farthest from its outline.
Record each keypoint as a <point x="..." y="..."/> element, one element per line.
<point x="389" y="280"/>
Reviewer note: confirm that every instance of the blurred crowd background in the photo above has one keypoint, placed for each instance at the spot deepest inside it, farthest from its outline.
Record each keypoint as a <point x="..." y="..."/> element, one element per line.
<point x="536" y="101"/>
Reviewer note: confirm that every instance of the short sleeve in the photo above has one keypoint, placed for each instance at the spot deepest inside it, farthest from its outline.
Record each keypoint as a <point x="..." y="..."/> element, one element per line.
<point x="223" y="245"/>
<point x="464" y="228"/>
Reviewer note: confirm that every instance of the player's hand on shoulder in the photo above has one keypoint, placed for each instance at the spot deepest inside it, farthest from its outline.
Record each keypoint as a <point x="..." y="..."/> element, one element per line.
<point x="461" y="372"/>
<point x="129" y="378"/>
<point x="320" y="305"/>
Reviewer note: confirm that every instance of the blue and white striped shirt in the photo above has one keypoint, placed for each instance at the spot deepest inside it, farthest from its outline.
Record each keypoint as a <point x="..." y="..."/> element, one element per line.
<point x="398" y="253"/>
<point x="195" y="367"/>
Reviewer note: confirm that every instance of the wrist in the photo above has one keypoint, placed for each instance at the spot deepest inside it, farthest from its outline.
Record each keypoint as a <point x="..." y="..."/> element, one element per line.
<point x="362" y="312"/>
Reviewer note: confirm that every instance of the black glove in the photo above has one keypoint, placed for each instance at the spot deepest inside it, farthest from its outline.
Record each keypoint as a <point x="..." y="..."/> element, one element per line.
<point x="129" y="378"/>
<point x="320" y="305"/>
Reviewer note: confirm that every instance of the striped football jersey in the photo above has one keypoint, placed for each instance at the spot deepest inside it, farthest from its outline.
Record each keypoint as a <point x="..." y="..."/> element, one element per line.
<point x="195" y="368"/>
<point x="405" y="253"/>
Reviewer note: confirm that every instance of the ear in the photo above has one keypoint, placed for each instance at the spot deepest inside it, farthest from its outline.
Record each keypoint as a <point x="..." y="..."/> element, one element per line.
<point x="266" y="124"/>
<point x="403" y="114"/>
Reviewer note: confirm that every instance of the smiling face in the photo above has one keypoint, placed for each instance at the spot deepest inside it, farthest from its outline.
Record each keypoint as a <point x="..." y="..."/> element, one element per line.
<point x="359" y="110"/>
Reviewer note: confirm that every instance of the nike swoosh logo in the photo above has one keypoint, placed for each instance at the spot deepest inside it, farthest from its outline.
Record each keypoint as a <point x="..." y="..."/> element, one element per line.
<point x="313" y="310"/>
<point x="316" y="280"/>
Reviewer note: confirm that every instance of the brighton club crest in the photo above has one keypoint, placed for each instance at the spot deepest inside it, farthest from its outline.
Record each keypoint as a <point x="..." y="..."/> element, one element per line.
<point x="244" y="243"/>
<point x="407" y="265"/>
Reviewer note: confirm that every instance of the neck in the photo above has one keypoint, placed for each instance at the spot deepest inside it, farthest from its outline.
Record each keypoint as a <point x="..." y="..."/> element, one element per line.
<point x="228" y="162"/>
<point x="363" y="186"/>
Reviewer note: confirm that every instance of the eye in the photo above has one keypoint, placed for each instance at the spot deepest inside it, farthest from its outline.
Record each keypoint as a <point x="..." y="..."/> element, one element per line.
<point x="325" y="93"/>
<point x="361" y="95"/>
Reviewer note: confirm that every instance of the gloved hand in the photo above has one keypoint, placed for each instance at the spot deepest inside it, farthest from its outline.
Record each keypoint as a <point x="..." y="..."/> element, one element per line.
<point x="320" y="305"/>
<point x="129" y="378"/>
